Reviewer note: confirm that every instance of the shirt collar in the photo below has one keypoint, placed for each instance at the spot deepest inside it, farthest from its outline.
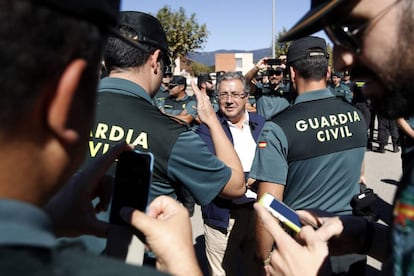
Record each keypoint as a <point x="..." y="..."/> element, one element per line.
<point x="245" y="122"/>
<point x="124" y="87"/>
<point x="314" y="95"/>
<point x="24" y="224"/>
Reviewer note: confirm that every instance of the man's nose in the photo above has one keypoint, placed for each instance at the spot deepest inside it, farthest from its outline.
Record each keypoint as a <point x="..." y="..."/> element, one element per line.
<point x="343" y="59"/>
<point x="229" y="101"/>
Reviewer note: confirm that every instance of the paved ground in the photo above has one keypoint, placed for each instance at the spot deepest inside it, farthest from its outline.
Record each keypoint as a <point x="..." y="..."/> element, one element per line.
<point x="383" y="172"/>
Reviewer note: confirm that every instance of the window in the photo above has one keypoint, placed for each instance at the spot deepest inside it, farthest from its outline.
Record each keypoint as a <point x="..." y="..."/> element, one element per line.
<point x="239" y="62"/>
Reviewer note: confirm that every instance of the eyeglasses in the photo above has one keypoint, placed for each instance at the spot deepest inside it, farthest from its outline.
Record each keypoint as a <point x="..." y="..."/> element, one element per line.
<point x="171" y="86"/>
<point x="234" y="95"/>
<point x="276" y="73"/>
<point x="349" y="37"/>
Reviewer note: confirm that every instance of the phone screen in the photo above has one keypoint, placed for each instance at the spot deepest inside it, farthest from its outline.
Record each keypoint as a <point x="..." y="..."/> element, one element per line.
<point x="132" y="182"/>
<point x="286" y="212"/>
<point x="280" y="210"/>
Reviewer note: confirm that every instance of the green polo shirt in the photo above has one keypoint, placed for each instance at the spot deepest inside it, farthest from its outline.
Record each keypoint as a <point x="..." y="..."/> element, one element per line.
<point x="326" y="181"/>
<point x="28" y="247"/>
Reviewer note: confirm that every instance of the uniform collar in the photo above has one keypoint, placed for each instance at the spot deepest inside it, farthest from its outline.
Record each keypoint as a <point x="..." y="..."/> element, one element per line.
<point x="314" y="95"/>
<point x="124" y="87"/>
<point x="23" y="224"/>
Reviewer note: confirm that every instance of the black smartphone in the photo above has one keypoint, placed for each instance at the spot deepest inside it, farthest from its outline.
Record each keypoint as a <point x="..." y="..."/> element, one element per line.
<point x="274" y="61"/>
<point x="132" y="183"/>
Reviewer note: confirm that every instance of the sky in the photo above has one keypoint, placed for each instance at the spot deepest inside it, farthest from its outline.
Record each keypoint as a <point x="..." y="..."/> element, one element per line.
<point x="232" y="24"/>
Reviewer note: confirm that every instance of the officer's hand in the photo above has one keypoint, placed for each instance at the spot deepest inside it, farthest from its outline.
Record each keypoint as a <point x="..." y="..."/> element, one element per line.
<point x="289" y="256"/>
<point x="71" y="209"/>
<point x="167" y="230"/>
<point x="205" y="110"/>
<point x="262" y="64"/>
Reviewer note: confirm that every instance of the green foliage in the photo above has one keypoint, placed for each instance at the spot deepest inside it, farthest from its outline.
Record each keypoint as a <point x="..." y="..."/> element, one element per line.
<point x="198" y="68"/>
<point x="330" y="52"/>
<point x="281" y="48"/>
<point x="184" y="34"/>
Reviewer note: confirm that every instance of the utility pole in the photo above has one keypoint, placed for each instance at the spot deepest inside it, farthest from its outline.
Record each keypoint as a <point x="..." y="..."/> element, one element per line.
<point x="273" y="28"/>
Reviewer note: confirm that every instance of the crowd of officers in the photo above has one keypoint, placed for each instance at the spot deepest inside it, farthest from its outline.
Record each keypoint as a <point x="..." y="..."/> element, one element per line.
<point x="332" y="135"/>
<point x="270" y="93"/>
<point x="309" y="152"/>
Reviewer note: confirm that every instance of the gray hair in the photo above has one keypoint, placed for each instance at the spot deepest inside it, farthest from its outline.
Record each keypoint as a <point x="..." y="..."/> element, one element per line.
<point x="233" y="75"/>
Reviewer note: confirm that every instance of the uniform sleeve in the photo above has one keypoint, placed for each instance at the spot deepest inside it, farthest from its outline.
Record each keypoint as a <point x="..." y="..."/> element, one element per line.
<point x="193" y="165"/>
<point x="270" y="161"/>
<point x="191" y="108"/>
<point x="204" y="132"/>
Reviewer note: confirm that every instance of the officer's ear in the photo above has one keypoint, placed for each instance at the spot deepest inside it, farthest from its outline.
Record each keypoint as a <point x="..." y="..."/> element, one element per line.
<point x="61" y="101"/>
<point x="156" y="62"/>
<point x="292" y="74"/>
<point x="328" y="73"/>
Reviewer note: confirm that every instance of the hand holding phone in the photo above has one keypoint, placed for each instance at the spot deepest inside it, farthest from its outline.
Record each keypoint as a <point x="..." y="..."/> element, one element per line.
<point x="281" y="211"/>
<point x="132" y="182"/>
<point x="274" y="61"/>
<point x="284" y="213"/>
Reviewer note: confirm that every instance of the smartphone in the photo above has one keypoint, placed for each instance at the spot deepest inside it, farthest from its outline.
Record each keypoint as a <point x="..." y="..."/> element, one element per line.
<point x="273" y="61"/>
<point x="132" y="183"/>
<point x="281" y="211"/>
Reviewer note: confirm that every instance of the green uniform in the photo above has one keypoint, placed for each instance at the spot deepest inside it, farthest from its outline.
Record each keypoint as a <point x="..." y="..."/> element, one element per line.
<point x="319" y="159"/>
<point x="270" y="102"/>
<point x="315" y="148"/>
<point x="125" y="113"/>
<point x="173" y="106"/>
<point x="343" y="91"/>
<point x="28" y="247"/>
<point x="159" y="98"/>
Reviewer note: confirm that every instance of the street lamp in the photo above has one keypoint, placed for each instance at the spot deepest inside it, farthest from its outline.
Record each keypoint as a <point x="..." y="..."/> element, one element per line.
<point x="273" y="29"/>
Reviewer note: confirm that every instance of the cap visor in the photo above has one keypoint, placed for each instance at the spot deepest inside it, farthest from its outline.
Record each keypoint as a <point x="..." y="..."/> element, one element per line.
<point x="133" y="43"/>
<point x="310" y="22"/>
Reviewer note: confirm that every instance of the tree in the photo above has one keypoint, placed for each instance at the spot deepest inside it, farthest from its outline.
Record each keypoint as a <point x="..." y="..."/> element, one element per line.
<point x="281" y="48"/>
<point x="330" y="52"/>
<point x="198" y="68"/>
<point x="184" y="34"/>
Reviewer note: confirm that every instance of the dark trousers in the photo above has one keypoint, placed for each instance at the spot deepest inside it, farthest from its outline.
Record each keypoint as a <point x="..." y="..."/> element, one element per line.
<point x="352" y="265"/>
<point x="386" y="126"/>
<point x="366" y="112"/>
<point x="407" y="149"/>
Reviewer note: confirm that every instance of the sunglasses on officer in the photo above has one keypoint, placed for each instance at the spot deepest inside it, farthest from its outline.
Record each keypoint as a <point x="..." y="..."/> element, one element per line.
<point x="275" y="72"/>
<point x="350" y="37"/>
<point x="171" y="86"/>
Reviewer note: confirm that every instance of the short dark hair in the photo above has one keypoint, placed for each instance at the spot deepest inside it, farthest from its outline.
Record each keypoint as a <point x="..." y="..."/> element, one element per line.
<point x="120" y="55"/>
<point x="312" y="67"/>
<point x="36" y="45"/>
